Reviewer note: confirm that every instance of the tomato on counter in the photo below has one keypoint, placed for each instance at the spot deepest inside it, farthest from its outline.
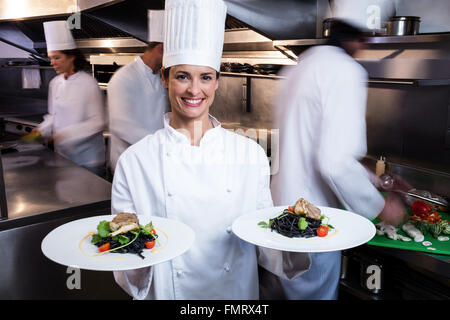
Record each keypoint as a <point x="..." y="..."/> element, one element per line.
<point x="421" y="209"/>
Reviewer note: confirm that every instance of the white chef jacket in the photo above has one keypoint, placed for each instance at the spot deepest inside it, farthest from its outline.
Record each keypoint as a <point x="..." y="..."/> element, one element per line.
<point x="76" y="113"/>
<point x="137" y="102"/>
<point x="205" y="187"/>
<point x="321" y="116"/>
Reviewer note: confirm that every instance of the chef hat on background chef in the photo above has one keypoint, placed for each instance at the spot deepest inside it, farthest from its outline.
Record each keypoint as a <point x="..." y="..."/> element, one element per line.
<point x="194" y="32"/>
<point x="58" y="36"/>
<point x="155" y="26"/>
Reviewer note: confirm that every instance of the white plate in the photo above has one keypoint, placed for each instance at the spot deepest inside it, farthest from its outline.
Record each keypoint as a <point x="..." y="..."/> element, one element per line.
<point x="351" y="230"/>
<point x="70" y="245"/>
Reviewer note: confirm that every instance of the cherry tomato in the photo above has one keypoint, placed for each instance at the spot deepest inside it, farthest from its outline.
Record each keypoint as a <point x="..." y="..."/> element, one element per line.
<point x="420" y="208"/>
<point x="104" y="247"/>
<point x="150" y="244"/>
<point x="322" y="231"/>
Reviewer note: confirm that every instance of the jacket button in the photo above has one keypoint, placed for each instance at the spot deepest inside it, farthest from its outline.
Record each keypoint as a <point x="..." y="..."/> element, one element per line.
<point x="229" y="229"/>
<point x="169" y="194"/>
<point x="179" y="273"/>
<point x="228" y="190"/>
<point x="226" y="267"/>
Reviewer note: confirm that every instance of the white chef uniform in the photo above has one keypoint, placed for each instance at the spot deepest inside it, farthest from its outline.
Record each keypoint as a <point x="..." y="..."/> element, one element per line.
<point x="205" y="187"/>
<point x="137" y="99"/>
<point x="75" y="107"/>
<point x="321" y="116"/>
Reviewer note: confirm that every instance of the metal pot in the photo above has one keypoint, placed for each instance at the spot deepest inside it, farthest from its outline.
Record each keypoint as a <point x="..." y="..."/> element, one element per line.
<point x="403" y="26"/>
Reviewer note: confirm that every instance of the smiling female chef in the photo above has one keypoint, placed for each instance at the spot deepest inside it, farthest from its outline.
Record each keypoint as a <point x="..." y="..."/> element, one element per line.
<point x="196" y="172"/>
<point x="75" y="119"/>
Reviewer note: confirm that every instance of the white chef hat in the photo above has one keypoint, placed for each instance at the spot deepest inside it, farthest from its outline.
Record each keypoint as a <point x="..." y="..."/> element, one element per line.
<point x="58" y="36"/>
<point x="155" y="26"/>
<point x="194" y="32"/>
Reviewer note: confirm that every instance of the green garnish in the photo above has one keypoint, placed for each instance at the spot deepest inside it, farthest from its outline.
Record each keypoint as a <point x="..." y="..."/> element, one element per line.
<point x="103" y="229"/>
<point x="127" y="244"/>
<point x="122" y="239"/>
<point x="302" y="223"/>
<point x="264" y="224"/>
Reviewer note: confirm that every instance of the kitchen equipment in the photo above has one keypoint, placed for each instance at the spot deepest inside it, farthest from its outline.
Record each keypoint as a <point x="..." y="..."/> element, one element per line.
<point x="267" y="69"/>
<point x="387" y="183"/>
<point x="403" y="26"/>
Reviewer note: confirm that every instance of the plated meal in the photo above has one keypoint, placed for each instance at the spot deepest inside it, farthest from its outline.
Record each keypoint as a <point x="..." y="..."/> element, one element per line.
<point x="124" y="234"/>
<point x="117" y="242"/>
<point x="304" y="227"/>
<point x="301" y="220"/>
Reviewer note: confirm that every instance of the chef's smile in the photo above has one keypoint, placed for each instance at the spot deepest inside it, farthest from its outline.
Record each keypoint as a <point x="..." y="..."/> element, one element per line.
<point x="192" y="102"/>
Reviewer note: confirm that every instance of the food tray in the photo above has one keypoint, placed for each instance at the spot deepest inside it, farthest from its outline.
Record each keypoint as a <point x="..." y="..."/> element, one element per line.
<point x="442" y="247"/>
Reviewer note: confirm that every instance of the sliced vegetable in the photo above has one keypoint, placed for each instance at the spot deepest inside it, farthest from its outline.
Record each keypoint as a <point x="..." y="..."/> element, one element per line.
<point x="322" y="231"/>
<point x="104" y="247"/>
<point x="291" y="209"/>
<point x="150" y="244"/>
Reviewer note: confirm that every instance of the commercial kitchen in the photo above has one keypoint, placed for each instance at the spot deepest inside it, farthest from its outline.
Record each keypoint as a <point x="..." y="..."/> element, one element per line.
<point x="408" y="124"/>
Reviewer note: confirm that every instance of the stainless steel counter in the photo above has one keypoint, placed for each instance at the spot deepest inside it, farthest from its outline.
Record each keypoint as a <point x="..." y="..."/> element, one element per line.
<point x="39" y="181"/>
<point x="44" y="190"/>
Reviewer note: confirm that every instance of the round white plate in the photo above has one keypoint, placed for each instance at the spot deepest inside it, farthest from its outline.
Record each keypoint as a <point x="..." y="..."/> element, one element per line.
<point x="351" y="230"/>
<point x="70" y="245"/>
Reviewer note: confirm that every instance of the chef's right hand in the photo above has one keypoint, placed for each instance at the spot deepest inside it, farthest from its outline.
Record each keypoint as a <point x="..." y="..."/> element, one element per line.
<point x="394" y="211"/>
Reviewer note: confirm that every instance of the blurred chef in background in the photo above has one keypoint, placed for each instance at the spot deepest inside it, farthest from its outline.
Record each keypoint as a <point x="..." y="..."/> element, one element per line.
<point x="321" y="116"/>
<point x="137" y="100"/>
<point x="76" y="115"/>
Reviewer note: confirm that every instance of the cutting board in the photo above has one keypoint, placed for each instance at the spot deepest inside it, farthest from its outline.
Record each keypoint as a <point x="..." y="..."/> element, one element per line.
<point x="442" y="247"/>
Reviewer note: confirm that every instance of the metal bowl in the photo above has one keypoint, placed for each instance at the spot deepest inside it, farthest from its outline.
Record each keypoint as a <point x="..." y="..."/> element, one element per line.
<point x="403" y="26"/>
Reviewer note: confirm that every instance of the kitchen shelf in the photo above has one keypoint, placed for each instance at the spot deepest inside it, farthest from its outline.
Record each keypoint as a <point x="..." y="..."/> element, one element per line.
<point x="28" y="67"/>
<point x="251" y="75"/>
<point x="411" y="82"/>
<point x="419" y="38"/>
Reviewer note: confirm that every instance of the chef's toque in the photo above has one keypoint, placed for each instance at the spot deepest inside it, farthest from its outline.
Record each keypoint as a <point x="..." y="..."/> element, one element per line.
<point x="155" y="26"/>
<point x="194" y="32"/>
<point x="58" y="36"/>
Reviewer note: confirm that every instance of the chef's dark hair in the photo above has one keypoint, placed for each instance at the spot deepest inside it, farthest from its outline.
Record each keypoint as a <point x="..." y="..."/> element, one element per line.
<point x="167" y="72"/>
<point x="341" y="31"/>
<point x="80" y="62"/>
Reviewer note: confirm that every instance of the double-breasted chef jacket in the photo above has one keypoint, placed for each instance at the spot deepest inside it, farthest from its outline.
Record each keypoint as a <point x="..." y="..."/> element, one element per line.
<point x="321" y="116"/>
<point x="137" y="102"/>
<point x="76" y="113"/>
<point x="205" y="187"/>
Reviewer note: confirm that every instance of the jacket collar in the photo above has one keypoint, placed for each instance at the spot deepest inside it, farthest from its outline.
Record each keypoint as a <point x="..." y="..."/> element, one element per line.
<point x="145" y="68"/>
<point x="72" y="77"/>
<point x="176" y="137"/>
